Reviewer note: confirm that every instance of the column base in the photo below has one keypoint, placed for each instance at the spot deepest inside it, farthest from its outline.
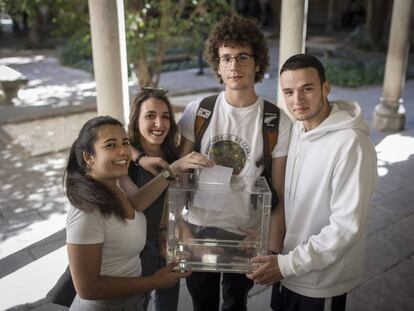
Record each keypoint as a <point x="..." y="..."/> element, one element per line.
<point x="386" y="118"/>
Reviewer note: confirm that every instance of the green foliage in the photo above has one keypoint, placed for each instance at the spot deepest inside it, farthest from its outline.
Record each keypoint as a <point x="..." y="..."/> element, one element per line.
<point x="71" y="20"/>
<point x="354" y="72"/>
<point x="13" y="7"/>
<point x="77" y="53"/>
<point x="71" y="16"/>
<point x="182" y="65"/>
<point x="154" y="27"/>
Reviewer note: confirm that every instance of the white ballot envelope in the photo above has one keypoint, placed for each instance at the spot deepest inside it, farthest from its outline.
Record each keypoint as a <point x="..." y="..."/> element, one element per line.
<point x="214" y="184"/>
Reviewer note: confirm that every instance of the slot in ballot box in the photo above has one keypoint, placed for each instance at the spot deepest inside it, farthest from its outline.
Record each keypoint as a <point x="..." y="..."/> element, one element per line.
<point x="217" y="227"/>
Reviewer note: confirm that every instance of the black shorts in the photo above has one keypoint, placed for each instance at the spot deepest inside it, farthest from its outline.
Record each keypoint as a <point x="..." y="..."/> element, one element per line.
<point x="284" y="299"/>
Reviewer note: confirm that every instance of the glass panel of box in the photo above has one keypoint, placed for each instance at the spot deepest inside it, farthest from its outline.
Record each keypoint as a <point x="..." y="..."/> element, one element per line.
<point x="217" y="227"/>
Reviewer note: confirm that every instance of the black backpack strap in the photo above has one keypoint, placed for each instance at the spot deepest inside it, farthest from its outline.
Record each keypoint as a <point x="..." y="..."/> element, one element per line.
<point x="270" y="130"/>
<point x="203" y="118"/>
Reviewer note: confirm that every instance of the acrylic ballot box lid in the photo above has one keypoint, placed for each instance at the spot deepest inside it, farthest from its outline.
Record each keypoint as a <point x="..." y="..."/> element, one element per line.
<point x="217" y="226"/>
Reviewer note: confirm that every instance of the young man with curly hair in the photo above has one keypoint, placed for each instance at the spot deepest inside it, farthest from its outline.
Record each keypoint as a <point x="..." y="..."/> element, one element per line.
<point x="237" y="52"/>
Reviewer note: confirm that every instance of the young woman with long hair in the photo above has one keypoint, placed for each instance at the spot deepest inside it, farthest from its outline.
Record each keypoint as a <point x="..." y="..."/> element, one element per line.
<point x="106" y="229"/>
<point x="153" y="132"/>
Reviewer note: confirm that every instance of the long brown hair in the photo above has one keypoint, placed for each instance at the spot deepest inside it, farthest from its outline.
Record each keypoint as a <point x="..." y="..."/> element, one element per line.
<point x="84" y="192"/>
<point x="169" y="146"/>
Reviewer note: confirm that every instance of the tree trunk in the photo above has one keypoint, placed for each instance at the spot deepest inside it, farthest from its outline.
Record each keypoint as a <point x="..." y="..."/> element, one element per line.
<point x="143" y="72"/>
<point x="157" y="65"/>
<point x="34" y="36"/>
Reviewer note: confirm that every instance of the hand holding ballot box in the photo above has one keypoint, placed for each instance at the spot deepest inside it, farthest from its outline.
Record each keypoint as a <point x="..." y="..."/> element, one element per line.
<point x="217" y="223"/>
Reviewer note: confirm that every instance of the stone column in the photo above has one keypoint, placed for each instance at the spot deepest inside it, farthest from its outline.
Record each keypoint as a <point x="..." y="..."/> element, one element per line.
<point x="389" y="114"/>
<point x="109" y="57"/>
<point x="292" y="35"/>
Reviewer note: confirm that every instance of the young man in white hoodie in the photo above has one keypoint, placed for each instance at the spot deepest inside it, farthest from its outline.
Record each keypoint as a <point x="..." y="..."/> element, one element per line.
<point x="331" y="175"/>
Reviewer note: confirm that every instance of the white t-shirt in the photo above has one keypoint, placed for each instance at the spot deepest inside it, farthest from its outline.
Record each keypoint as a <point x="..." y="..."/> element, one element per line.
<point x="122" y="241"/>
<point x="233" y="138"/>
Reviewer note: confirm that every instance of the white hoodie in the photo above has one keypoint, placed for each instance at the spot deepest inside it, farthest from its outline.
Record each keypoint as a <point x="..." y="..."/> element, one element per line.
<point x="331" y="175"/>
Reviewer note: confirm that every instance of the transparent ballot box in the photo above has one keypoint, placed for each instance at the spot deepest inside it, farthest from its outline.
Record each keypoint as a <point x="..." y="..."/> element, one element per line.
<point x="217" y="227"/>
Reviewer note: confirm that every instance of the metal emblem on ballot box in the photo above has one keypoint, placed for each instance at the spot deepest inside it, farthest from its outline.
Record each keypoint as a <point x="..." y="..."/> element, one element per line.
<point x="217" y="227"/>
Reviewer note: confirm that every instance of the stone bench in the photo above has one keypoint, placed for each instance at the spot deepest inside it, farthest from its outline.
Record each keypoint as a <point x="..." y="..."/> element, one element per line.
<point x="326" y="46"/>
<point x="176" y="57"/>
<point x="10" y="82"/>
<point x="321" y="48"/>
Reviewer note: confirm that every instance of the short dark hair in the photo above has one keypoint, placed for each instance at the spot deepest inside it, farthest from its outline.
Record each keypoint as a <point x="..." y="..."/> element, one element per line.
<point x="169" y="146"/>
<point x="83" y="191"/>
<point x="238" y="30"/>
<point x="301" y="61"/>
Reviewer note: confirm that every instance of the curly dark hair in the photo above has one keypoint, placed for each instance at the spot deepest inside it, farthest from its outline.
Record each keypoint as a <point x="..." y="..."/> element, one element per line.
<point x="237" y="30"/>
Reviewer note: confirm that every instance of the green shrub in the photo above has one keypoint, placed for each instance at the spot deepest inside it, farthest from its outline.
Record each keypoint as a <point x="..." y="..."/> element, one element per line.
<point x="183" y="65"/>
<point x="77" y="53"/>
<point x="353" y="72"/>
